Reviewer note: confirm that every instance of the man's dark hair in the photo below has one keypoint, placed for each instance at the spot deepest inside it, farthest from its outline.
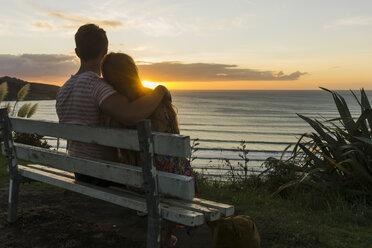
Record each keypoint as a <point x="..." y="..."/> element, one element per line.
<point x="91" y="41"/>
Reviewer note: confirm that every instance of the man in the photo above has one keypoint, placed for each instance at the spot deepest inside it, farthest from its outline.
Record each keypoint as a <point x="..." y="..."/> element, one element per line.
<point x="85" y="96"/>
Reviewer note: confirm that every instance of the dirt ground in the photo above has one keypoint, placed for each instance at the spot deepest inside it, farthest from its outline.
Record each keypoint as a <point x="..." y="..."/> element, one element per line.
<point x="51" y="217"/>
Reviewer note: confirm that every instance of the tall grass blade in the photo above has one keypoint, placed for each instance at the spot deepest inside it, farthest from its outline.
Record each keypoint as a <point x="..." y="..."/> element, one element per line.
<point x="22" y="93"/>
<point x="285" y="150"/>
<point x="23" y="110"/>
<point x="32" y="110"/>
<point x="3" y="90"/>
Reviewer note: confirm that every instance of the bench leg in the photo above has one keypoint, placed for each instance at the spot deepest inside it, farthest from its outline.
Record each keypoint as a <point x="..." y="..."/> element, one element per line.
<point x="150" y="178"/>
<point x="13" y="199"/>
<point x="12" y="165"/>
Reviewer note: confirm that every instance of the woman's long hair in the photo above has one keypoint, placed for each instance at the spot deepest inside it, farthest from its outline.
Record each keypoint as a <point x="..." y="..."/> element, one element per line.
<point x="121" y="72"/>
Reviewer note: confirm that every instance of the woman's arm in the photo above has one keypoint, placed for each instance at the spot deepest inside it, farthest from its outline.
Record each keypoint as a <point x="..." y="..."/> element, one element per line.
<point x="128" y="113"/>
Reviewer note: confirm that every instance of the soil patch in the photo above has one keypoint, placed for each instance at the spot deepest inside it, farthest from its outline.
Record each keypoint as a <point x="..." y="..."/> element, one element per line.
<point x="51" y="217"/>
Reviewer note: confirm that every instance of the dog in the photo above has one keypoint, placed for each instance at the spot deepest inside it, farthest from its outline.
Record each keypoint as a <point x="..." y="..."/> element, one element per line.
<point x="235" y="232"/>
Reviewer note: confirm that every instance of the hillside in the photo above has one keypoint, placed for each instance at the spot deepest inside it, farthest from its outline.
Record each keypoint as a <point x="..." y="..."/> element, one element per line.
<point x="38" y="91"/>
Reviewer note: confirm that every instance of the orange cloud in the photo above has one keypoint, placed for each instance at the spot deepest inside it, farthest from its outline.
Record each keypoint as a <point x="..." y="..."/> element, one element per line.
<point x="176" y="71"/>
<point x="79" y="20"/>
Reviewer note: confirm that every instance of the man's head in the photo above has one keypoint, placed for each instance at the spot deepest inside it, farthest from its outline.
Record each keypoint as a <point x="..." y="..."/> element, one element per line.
<point x="91" y="42"/>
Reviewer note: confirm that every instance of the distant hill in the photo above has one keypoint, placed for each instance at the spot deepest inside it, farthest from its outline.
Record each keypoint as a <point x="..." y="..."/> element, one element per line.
<point x="38" y="91"/>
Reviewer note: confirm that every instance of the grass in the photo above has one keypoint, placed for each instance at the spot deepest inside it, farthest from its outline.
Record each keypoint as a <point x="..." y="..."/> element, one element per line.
<point x="298" y="220"/>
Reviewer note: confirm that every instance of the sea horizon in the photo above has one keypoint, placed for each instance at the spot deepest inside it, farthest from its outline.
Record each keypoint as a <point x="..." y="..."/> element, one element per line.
<point x="266" y="120"/>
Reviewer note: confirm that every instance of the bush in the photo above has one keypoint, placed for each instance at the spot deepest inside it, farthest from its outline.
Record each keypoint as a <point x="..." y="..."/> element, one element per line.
<point x="336" y="157"/>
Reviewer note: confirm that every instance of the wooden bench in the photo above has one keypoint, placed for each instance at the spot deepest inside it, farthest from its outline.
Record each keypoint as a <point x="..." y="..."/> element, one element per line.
<point x="57" y="168"/>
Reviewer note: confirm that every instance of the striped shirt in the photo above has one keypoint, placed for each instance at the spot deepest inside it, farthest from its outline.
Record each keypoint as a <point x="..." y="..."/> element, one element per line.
<point x="78" y="102"/>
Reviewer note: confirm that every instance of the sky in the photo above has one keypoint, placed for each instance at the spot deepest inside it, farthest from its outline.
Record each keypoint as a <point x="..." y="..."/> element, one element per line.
<point x="231" y="45"/>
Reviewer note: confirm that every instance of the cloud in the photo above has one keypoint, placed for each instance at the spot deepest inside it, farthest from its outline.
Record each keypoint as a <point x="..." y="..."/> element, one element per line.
<point x="37" y="65"/>
<point x="356" y="21"/>
<point x="159" y="26"/>
<point x="176" y="71"/>
<point x="60" y="65"/>
<point x="77" y="20"/>
<point x="43" y="25"/>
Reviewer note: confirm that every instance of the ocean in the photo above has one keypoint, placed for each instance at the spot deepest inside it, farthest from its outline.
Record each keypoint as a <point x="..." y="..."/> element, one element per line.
<point x="221" y="120"/>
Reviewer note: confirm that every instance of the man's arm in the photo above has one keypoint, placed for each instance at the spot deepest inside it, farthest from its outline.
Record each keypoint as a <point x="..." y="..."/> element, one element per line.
<point x="128" y="113"/>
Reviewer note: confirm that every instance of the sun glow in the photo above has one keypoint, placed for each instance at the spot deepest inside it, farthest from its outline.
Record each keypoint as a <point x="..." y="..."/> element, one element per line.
<point x="151" y="85"/>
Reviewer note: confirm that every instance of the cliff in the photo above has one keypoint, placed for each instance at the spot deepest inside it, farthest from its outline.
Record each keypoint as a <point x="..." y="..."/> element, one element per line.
<point x="38" y="91"/>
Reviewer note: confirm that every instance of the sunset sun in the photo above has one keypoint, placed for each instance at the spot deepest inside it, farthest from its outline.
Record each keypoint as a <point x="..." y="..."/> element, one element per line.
<point x="151" y="85"/>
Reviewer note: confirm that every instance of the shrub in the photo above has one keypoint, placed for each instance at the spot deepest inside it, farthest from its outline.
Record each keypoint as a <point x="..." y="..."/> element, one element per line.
<point x="337" y="156"/>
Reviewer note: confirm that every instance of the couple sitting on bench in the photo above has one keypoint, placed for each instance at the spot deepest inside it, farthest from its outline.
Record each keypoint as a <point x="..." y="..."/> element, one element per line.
<point x="117" y="100"/>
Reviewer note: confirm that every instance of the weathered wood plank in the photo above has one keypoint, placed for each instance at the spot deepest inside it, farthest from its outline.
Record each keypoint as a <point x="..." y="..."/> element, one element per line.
<point x="52" y="170"/>
<point x="118" y="197"/>
<point x="165" y="144"/>
<point x="10" y="152"/>
<point x="225" y="209"/>
<point x="150" y="176"/>
<point x="210" y="214"/>
<point x="170" y="184"/>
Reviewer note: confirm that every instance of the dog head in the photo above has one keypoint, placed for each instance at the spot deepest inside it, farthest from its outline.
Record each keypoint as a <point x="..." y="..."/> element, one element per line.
<point x="237" y="231"/>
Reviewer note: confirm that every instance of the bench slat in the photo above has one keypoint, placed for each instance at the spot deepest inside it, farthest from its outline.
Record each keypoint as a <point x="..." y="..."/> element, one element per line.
<point x="171" y="213"/>
<point x="165" y="144"/>
<point x="170" y="184"/>
<point x="210" y="214"/>
<point x="52" y="170"/>
<point x="225" y="209"/>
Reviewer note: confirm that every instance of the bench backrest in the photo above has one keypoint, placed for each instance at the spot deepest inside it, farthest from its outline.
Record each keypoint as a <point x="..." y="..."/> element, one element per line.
<point x="164" y="144"/>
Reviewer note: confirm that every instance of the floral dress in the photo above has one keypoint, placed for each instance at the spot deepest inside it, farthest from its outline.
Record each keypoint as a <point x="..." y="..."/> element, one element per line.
<point x="176" y="165"/>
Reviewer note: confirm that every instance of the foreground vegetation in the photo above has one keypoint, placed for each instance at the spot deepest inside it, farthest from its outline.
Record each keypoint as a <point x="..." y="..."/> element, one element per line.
<point x="320" y="197"/>
<point x="299" y="219"/>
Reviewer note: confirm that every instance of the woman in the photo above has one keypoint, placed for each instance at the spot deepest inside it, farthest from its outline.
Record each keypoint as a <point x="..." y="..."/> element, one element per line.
<point x="120" y="71"/>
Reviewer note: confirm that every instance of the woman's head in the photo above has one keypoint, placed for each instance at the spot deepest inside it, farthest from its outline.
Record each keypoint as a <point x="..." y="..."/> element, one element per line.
<point x="120" y="71"/>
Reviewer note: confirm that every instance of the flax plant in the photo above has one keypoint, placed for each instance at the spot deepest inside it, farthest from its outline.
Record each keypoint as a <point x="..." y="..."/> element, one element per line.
<point x="337" y="155"/>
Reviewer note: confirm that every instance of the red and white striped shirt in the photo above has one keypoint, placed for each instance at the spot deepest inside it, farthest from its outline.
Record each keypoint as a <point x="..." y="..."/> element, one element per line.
<point x="78" y="102"/>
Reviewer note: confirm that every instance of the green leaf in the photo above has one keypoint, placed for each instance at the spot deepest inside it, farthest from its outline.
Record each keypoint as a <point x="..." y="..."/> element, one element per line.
<point x="356" y="98"/>
<point x="366" y="105"/>
<point x="284" y="151"/>
<point x="319" y="129"/>
<point x="344" y="112"/>
<point x="317" y="161"/>
<point x="326" y="90"/>
<point x="365" y="140"/>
